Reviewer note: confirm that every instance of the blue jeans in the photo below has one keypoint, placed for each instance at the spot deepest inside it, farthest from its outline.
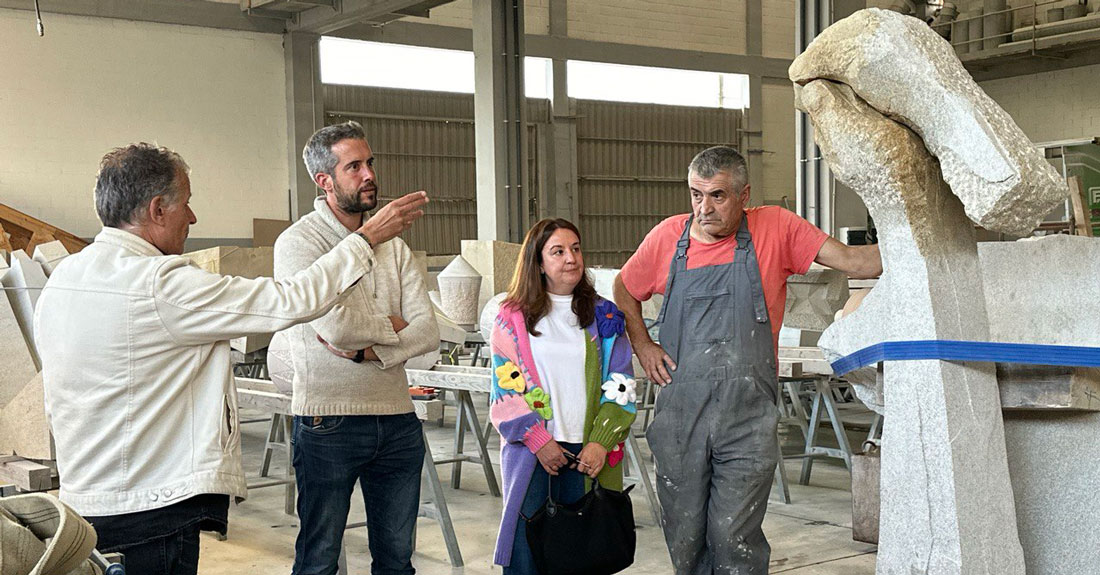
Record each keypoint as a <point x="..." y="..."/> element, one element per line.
<point x="164" y="540"/>
<point x="385" y="454"/>
<point x="568" y="487"/>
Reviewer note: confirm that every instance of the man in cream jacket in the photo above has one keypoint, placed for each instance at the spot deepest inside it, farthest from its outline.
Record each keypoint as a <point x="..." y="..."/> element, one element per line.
<point x="354" y="420"/>
<point x="135" y="355"/>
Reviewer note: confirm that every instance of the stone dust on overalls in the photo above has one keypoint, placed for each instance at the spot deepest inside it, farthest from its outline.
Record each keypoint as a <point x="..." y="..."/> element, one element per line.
<point x="714" y="430"/>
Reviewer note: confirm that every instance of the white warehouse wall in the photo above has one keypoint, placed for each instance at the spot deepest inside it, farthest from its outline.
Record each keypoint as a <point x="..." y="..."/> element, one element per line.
<point x="1051" y="106"/>
<point x="91" y="84"/>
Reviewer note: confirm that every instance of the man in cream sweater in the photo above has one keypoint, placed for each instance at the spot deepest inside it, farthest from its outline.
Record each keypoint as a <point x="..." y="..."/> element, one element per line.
<point x="353" y="418"/>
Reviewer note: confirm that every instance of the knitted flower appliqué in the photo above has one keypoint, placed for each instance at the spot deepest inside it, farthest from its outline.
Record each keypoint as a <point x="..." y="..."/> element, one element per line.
<point x="609" y="320"/>
<point x="509" y="377"/>
<point x="539" y="401"/>
<point x="615" y="455"/>
<point x="620" y="389"/>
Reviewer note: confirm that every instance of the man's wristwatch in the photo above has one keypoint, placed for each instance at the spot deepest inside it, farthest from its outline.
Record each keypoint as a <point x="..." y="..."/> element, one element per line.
<point x="360" y="356"/>
<point x="365" y="239"/>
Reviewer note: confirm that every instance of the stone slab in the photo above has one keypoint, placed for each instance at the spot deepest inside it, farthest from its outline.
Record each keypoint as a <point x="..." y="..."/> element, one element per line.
<point x="17" y="366"/>
<point x="1036" y="291"/>
<point x="902" y="68"/>
<point x="24" y="428"/>
<point x="1043" y="290"/>
<point x="945" y="502"/>
<point x="492" y="259"/>
<point x="49" y="254"/>
<point x="25" y="281"/>
<point x="1052" y="460"/>
<point x="235" y="261"/>
<point x="814" y="298"/>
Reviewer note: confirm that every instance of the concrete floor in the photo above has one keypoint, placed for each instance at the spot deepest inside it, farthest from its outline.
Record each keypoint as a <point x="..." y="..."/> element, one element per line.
<point x="811" y="536"/>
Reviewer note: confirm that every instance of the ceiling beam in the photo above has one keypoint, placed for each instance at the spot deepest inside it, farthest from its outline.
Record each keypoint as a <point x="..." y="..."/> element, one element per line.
<point x="539" y="45"/>
<point x="191" y="13"/>
<point x="325" y="20"/>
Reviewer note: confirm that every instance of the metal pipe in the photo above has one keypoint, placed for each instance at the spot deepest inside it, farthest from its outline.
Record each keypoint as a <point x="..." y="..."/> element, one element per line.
<point x="996" y="23"/>
<point x="1083" y="23"/>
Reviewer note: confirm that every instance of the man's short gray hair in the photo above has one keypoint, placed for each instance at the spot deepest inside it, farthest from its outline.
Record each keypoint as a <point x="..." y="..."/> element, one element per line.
<point x="318" y="154"/>
<point x="711" y="161"/>
<point x="130" y="177"/>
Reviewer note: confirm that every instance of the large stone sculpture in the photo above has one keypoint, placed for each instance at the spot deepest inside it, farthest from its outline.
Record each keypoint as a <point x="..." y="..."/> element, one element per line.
<point x="903" y="69"/>
<point x="899" y="119"/>
<point x="945" y="503"/>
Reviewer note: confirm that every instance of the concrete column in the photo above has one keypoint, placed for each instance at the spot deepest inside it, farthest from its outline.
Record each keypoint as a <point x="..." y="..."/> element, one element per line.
<point x="305" y="113"/>
<point x="559" y="197"/>
<point x="752" y="129"/>
<point x="500" y="120"/>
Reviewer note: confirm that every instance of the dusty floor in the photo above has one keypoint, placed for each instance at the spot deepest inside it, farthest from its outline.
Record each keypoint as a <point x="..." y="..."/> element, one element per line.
<point x="811" y="536"/>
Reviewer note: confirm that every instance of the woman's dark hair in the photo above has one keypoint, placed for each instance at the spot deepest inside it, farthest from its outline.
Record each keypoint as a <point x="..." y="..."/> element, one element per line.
<point x="528" y="289"/>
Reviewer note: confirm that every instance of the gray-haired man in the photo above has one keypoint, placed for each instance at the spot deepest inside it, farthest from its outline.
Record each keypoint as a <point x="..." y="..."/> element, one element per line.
<point x="134" y="342"/>
<point x="354" y="420"/>
<point x="723" y="270"/>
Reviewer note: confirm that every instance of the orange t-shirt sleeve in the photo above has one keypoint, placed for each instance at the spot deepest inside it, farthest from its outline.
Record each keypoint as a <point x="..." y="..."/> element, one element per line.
<point x="804" y="241"/>
<point x="644" y="273"/>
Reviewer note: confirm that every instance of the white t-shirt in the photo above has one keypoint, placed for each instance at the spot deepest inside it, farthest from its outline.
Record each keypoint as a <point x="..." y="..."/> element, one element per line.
<point x="559" y="358"/>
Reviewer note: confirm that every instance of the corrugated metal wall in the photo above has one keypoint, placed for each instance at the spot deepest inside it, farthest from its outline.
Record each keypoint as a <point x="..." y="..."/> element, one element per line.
<point x="425" y="141"/>
<point x="632" y="169"/>
<point x="631" y="161"/>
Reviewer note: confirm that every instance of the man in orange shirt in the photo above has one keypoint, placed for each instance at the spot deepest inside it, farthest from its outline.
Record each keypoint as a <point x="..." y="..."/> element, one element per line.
<point x="723" y="270"/>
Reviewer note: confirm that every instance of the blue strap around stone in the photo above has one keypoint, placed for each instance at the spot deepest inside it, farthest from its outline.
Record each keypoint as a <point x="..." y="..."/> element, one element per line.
<point x="953" y="350"/>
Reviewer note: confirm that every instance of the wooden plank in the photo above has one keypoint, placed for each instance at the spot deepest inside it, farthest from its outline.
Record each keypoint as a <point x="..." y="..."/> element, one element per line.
<point x="38" y="238"/>
<point x="1082" y="225"/>
<point x="5" y="245"/>
<point x="26" y="474"/>
<point x="23" y="227"/>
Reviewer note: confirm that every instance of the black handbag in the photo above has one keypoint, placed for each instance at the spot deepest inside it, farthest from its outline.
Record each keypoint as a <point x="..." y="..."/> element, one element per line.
<point x="593" y="536"/>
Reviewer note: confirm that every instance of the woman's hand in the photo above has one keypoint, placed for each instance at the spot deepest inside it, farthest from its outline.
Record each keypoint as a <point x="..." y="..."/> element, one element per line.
<point x="592" y="457"/>
<point x="551" y="458"/>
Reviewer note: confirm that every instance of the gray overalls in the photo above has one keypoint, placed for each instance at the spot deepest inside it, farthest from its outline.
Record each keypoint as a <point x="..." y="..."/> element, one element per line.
<point x="714" y="432"/>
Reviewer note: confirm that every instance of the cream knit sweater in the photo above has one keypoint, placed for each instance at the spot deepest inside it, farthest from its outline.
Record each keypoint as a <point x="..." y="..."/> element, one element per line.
<point x="326" y="384"/>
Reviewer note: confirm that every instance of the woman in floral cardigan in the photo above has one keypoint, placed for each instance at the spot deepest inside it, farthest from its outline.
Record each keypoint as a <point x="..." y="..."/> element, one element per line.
<point x="562" y="381"/>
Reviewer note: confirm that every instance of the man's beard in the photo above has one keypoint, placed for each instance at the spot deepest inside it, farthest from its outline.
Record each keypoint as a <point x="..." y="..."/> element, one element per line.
<point x="349" y="201"/>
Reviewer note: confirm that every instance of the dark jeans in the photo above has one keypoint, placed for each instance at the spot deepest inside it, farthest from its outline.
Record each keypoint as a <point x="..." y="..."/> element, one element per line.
<point x="385" y="454"/>
<point x="568" y="487"/>
<point x="162" y="541"/>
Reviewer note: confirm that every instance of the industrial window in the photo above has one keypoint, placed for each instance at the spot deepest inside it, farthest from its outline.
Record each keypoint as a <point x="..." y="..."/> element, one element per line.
<point x="359" y="63"/>
<point x="617" y="83"/>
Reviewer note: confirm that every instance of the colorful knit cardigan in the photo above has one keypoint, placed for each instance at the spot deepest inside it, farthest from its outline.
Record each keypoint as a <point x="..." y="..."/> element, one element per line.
<point x="520" y="405"/>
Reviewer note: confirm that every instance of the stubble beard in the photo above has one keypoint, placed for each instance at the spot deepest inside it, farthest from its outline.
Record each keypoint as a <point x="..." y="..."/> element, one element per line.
<point x="350" y="202"/>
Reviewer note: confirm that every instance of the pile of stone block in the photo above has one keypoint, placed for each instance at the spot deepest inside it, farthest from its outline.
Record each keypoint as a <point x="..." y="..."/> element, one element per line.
<point x="24" y="430"/>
